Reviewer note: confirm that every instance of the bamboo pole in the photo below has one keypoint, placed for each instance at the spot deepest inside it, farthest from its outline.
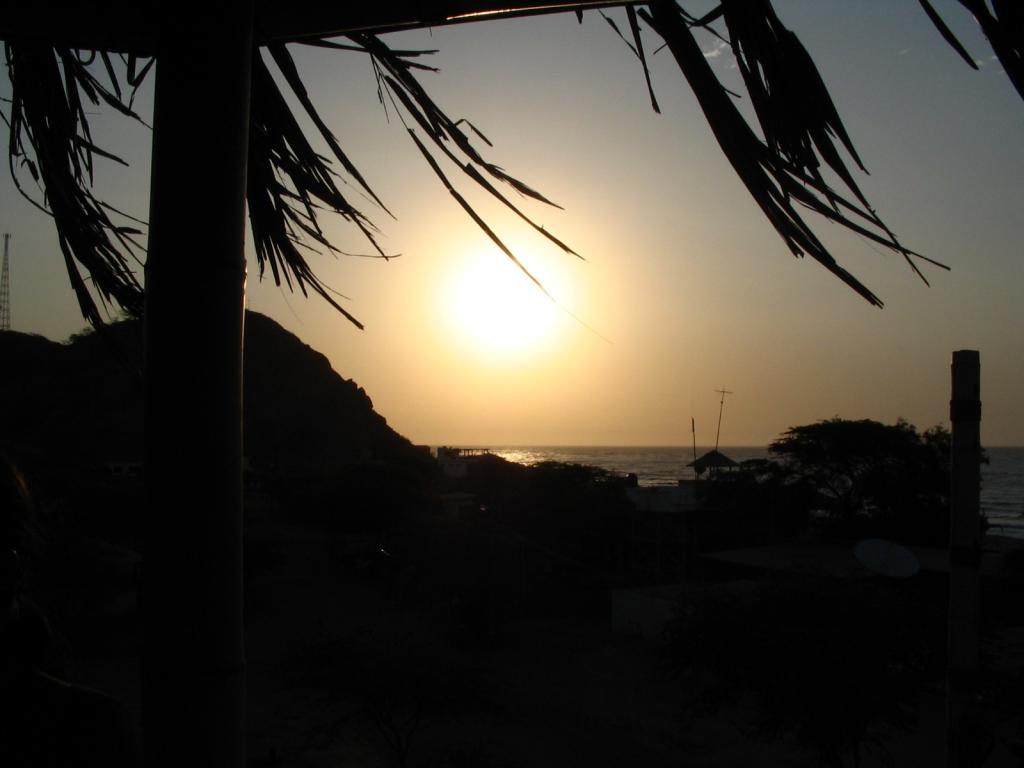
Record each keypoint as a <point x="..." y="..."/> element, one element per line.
<point x="963" y="732"/>
<point x="193" y="656"/>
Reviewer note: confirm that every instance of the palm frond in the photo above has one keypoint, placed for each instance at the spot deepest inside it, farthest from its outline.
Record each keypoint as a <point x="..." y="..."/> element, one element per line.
<point x="291" y="75"/>
<point x="797" y="118"/>
<point x="947" y="33"/>
<point x="790" y="99"/>
<point x="289" y="183"/>
<point x="634" y="25"/>
<point x="636" y="46"/>
<point x="1003" y="25"/>
<point x="395" y="75"/>
<point x="51" y="138"/>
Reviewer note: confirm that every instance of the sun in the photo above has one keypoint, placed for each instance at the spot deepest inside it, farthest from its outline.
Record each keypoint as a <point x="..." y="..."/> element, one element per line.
<point x="496" y="310"/>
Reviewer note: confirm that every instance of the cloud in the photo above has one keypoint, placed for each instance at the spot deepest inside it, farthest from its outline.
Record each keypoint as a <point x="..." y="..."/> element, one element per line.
<point x="720" y="47"/>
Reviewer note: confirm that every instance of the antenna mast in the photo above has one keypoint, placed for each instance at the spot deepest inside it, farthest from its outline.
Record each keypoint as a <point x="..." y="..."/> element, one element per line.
<point x="5" y="289"/>
<point x="693" y="430"/>
<point x="721" y="406"/>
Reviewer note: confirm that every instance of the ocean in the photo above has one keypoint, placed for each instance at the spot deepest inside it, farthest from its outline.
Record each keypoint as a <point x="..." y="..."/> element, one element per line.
<point x="1002" y="479"/>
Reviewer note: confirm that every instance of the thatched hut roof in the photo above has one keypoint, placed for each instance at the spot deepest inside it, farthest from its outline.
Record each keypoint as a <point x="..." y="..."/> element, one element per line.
<point x="713" y="459"/>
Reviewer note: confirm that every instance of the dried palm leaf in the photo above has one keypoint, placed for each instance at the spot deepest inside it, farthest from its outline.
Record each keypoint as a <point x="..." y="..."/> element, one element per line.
<point x="947" y="34"/>
<point x="288" y="182"/>
<point x="636" y="47"/>
<point x="798" y="120"/>
<point x="290" y="185"/>
<point x="50" y="136"/>
<point x="438" y="126"/>
<point x="1003" y="25"/>
<point x="394" y="76"/>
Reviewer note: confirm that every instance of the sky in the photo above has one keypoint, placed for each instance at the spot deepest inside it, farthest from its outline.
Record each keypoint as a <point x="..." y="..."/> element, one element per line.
<point x="685" y="287"/>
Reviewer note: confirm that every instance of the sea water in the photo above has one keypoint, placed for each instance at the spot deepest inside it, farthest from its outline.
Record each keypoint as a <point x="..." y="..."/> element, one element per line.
<point x="1002" y="491"/>
<point x="1002" y="479"/>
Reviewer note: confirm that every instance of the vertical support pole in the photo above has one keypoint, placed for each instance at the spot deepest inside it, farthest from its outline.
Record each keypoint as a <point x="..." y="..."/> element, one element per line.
<point x="193" y="656"/>
<point x="963" y="731"/>
<point x="5" y="288"/>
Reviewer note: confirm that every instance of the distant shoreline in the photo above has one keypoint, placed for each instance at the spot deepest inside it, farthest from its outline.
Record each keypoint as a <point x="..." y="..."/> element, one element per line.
<point x="1002" y="489"/>
<point x="610" y="446"/>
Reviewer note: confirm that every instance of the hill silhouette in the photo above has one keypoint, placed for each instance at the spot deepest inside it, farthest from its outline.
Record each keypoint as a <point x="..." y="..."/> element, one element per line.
<point x="81" y="402"/>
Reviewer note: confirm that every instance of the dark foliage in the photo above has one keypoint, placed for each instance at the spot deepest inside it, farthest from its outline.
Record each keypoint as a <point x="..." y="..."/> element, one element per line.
<point x="780" y="173"/>
<point x="532" y="536"/>
<point x="552" y="501"/>
<point x="395" y="690"/>
<point x="760" y="503"/>
<point x="577" y="512"/>
<point x="835" y="664"/>
<point x="50" y="137"/>
<point x="369" y="497"/>
<point x="290" y="183"/>
<point x="868" y="478"/>
<point x="1002" y="21"/>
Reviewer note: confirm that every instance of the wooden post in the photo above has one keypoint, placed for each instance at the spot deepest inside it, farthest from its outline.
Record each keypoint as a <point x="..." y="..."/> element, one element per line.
<point x="193" y="656"/>
<point x="963" y="731"/>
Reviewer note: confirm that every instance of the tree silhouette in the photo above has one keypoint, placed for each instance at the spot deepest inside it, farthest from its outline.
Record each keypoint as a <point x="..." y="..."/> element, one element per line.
<point x="877" y="479"/>
<point x="212" y="82"/>
<point x="837" y="664"/>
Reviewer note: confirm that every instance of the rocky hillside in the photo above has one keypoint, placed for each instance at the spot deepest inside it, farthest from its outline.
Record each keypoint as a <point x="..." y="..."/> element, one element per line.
<point x="81" y="401"/>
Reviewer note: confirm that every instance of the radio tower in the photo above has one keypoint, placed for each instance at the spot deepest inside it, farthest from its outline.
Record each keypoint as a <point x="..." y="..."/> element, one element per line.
<point x="5" y="289"/>
<point x="721" y="406"/>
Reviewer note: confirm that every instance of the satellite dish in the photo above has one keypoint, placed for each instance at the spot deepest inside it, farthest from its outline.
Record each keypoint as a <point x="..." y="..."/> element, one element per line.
<point x="887" y="558"/>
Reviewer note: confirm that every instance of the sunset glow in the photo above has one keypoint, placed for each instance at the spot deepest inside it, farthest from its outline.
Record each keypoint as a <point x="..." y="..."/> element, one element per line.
<point x="496" y="311"/>
<point x="684" y="286"/>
